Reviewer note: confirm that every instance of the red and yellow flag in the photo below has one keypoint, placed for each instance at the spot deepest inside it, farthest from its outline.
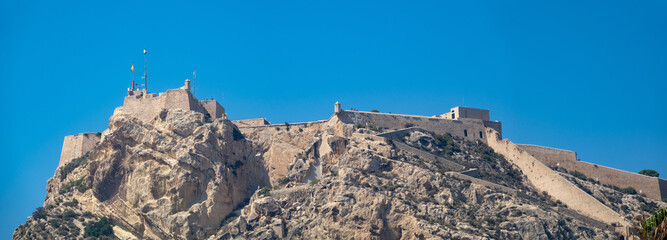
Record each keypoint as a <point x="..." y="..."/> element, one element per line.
<point x="132" y="68"/>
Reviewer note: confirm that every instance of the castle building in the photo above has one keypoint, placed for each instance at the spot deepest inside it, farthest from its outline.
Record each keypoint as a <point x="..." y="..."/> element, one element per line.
<point x="465" y="112"/>
<point x="146" y="106"/>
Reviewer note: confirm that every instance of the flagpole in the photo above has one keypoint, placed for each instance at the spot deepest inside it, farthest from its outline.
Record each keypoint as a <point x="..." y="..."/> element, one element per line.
<point x="132" y="76"/>
<point x="194" y="78"/>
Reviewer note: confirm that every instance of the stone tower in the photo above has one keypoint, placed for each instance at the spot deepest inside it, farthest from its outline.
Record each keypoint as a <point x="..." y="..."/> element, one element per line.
<point x="337" y="107"/>
<point x="187" y="84"/>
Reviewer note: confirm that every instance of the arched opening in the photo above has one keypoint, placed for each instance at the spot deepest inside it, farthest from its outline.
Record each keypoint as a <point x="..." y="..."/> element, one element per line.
<point x="465" y="132"/>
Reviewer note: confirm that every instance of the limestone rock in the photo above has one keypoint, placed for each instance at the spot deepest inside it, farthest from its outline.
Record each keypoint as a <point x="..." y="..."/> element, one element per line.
<point x="182" y="175"/>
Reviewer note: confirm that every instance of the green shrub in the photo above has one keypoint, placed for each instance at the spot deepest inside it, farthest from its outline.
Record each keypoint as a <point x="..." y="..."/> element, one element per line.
<point x="283" y="181"/>
<point x="73" y="203"/>
<point x="69" y="167"/>
<point x="78" y="184"/>
<point x="312" y="183"/>
<point x="230" y="218"/>
<point x="69" y="214"/>
<point x="287" y="126"/>
<point x="39" y="213"/>
<point x="87" y="214"/>
<point x="55" y="223"/>
<point x="265" y="191"/>
<point x="649" y="172"/>
<point x="446" y="142"/>
<point x="99" y="228"/>
<point x="375" y="111"/>
<point x="628" y="190"/>
<point x="578" y="175"/>
<point x="359" y="125"/>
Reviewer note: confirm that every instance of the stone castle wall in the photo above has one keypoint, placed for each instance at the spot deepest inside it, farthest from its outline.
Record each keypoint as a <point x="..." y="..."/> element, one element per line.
<point x="251" y="122"/>
<point x="213" y="108"/>
<point x="545" y="179"/>
<point x="468" y="129"/>
<point x="148" y="106"/>
<point x="77" y="145"/>
<point x="653" y="187"/>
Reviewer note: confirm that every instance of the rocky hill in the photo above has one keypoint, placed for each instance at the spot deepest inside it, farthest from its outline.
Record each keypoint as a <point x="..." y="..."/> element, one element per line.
<point x="183" y="175"/>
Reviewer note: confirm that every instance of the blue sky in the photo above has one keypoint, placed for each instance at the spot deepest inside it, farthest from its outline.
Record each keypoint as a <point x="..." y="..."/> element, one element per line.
<point x="588" y="76"/>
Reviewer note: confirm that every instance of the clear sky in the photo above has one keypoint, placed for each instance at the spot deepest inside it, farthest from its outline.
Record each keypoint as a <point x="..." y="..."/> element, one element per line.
<point x="588" y="76"/>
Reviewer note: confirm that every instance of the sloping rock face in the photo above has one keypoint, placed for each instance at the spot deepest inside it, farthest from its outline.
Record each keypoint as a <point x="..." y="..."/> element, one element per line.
<point x="369" y="188"/>
<point x="176" y="177"/>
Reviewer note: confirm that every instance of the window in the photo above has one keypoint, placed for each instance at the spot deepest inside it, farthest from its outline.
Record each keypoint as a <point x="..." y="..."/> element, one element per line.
<point x="465" y="133"/>
<point x="480" y="134"/>
<point x="453" y="115"/>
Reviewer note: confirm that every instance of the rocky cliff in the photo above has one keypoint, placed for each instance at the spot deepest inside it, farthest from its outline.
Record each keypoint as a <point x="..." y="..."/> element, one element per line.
<point x="184" y="176"/>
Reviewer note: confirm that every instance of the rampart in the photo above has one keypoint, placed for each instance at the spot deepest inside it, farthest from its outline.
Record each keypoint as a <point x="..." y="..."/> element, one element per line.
<point x="146" y="106"/>
<point x="77" y="145"/>
<point x="545" y="179"/>
<point x="213" y="108"/>
<point x="468" y="129"/>
<point x="251" y="122"/>
<point x="653" y="187"/>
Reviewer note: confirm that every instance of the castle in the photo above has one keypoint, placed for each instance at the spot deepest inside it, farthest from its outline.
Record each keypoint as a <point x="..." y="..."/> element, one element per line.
<point x="536" y="162"/>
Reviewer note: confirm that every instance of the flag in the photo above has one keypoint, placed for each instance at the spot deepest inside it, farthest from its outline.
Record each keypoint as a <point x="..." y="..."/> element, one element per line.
<point x="132" y="68"/>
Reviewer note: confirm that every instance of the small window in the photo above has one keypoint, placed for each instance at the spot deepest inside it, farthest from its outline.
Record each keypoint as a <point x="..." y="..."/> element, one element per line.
<point x="480" y="134"/>
<point x="465" y="133"/>
<point x="453" y="115"/>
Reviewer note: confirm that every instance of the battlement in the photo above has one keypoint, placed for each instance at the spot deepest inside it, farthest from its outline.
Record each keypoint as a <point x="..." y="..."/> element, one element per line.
<point x="146" y="106"/>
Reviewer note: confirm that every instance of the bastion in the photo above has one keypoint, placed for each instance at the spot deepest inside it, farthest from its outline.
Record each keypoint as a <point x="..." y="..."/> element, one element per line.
<point x="145" y="106"/>
<point x="77" y="145"/>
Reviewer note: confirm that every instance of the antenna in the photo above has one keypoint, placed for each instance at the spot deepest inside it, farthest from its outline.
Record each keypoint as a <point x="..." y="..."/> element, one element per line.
<point x="194" y="80"/>
<point x="145" y="71"/>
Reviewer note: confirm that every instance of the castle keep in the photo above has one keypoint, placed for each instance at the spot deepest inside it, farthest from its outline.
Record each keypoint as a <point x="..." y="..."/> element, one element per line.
<point x="471" y="124"/>
<point x="145" y="106"/>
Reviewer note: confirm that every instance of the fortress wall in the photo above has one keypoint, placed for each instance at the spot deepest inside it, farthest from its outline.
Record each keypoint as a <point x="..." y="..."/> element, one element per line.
<point x="545" y="179"/>
<point x="549" y="156"/>
<point x="663" y="188"/>
<point x="146" y="108"/>
<point x="399" y="133"/>
<point x="495" y="125"/>
<point x="251" y="122"/>
<point x="567" y="159"/>
<point x="456" y="128"/>
<point x="213" y="108"/>
<point x="77" y="145"/>
<point x="142" y="108"/>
